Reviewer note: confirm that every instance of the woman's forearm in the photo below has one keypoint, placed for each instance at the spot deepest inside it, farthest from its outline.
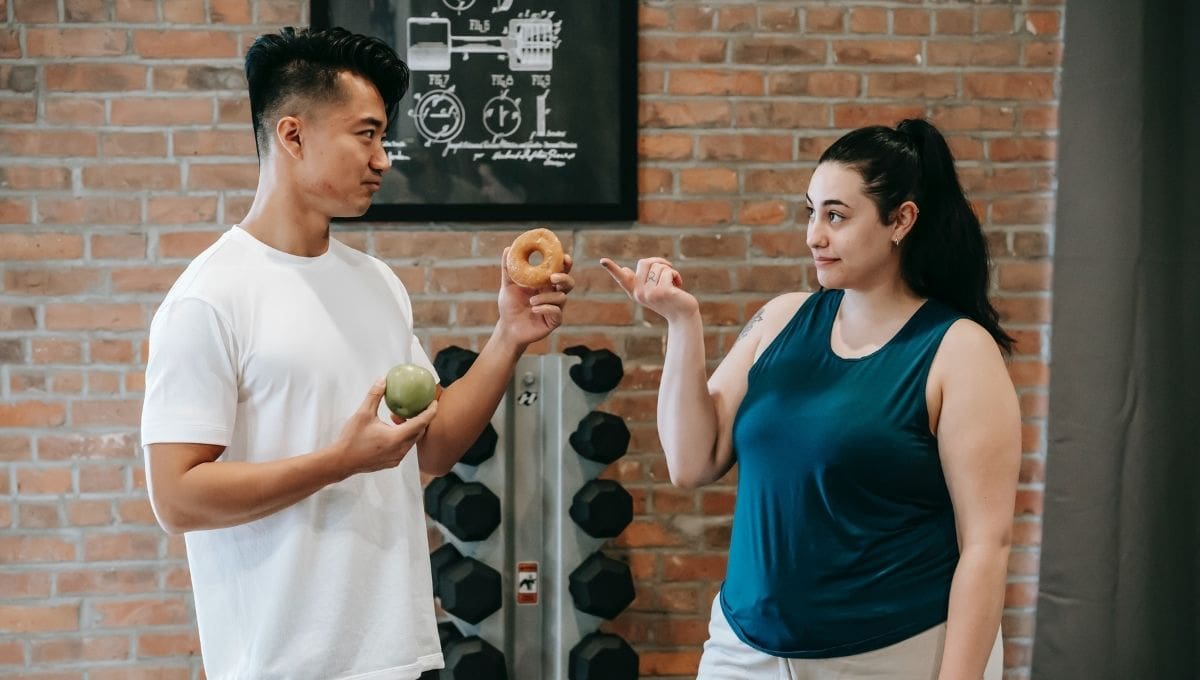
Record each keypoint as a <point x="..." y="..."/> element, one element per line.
<point x="976" y="605"/>
<point x="687" y="419"/>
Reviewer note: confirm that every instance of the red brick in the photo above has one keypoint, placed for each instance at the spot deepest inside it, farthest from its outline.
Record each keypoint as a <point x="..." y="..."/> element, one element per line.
<point x="684" y="50"/>
<point x="132" y="177"/>
<point x="74" y="110"/>
<point x="209" y="44"/>
<point x="32" y="177"/>
<point x="126" y="144"/>
<point x="71" y="316"/>
<point x="214" y="143"/>
<point x="665" y="147"/>
<point x="55" y="351"/>
<point x="182" y="12"/>
<point x="707" y="180"/>
<point x="200" y="78"/>
<point x="868" y="20"/>
<point x="205" y="176"/>
<point x="35" y="619"/>
<point x="974" y="53"/>
<point x="815" y="84"/>
<point x="75" y="650"/>
<point x="51" y="282"/>
<point x="89" y="210"/>
<point x="692" y="19"/>
<point x="995" y="20"/>
<point x="140" y="612"/>
<point x="849" y="116"/>
<point x="762" y="212"/>
<point x="121" y="547"/>
<point x="864" y="52"/>
<point x="912" y="85"/>
<point x="778" y="18"/>
<point x="93" y="11"/>
<point x="137" y="11"/>
<point x="161" y="111"/>
<point x="655" y="181"/>
<point x="911" y="22"/>
<point x="145" y="279"/>
<point x="106" y="412"/>
<point x="75" y="42"/>
<point x="23" y="549"/>
<point x="87" y="514"/>
<point x="776" y="51"/>
<point x="955" y="21"/>
<point x="185" y="244"/>
<point x="776" y="182"/>
<point x="84" y="77"/>
<point x="35" y="11"/>
<point x="119" y="246"/>
<point x="713" y="82"/>
<point x="1022" y="86"/>
<point x="736" y="18"/>
<point x="56" y="143"/>
<point x="684" y="113"/>
<point x="168" y="644"/>
<point x="825" y="19"/>
<point x="685" y="213"/>
<point x="14" y="211"/>
<point x="782" y="114"/>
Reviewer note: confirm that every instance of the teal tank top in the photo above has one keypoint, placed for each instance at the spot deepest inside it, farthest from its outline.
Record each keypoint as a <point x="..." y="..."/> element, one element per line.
<point x="843" y="533"/>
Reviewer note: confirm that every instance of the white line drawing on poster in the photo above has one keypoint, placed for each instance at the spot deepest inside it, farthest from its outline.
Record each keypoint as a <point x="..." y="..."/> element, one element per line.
<point x="458" y="5"/>
<point x="398" y="153"/>
<point x="439" y="115"/>
<point x="502" y="6"/>
<point x="502" y="115"/>
<point x="527" y="44"/>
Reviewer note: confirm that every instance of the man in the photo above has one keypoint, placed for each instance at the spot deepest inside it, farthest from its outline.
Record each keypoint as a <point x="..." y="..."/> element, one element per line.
<point x="261" y="426"/>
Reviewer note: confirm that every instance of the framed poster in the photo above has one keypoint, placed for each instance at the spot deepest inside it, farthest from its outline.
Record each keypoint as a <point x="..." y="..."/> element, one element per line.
<point x="517" y="109"/>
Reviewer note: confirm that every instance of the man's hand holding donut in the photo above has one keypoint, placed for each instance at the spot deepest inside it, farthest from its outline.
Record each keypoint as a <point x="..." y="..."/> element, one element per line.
<point x="530" y="314"/>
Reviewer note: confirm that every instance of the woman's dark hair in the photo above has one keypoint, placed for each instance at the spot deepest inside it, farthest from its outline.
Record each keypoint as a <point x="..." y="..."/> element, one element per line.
<point x="945" y="256"/>
<point x="305" y="64"/>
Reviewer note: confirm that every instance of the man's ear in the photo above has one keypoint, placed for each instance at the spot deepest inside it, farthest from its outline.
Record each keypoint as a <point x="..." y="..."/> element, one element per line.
<point x="288" y="136"/>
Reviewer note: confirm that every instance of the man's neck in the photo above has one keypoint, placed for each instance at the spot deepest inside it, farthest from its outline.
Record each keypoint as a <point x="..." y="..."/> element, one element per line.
<point x="284" y="222"/>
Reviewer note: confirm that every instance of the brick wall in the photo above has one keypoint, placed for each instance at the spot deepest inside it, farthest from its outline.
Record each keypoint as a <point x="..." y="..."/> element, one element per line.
<point x="125" y="148"/>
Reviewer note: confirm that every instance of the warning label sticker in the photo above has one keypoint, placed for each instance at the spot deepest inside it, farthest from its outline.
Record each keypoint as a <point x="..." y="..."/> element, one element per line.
<point x="527" y="582"/>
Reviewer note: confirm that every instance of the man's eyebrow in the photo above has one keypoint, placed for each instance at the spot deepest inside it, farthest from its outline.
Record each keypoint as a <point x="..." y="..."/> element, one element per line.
<point x="372" y="121"/>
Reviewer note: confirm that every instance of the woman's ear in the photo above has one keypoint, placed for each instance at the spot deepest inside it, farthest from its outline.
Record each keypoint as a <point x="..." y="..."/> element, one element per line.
<point x="904" y="217"/>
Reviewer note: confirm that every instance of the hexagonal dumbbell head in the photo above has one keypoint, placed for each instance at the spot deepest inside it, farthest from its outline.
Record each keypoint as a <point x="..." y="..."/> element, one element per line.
<point x="601" y="437"/>
<point x="440" y="559"/>
<point x="469" y="510"/>
<point x="452" y="363"/>
<point x="598" y="371"/>
<point x="448" y="632"/>
<point x="602" y="508"/>
<point x="469" y="589"/>
<point x="602" y="586"/>
<point x="602" y="656"/>
<point x="483" y="448"/>
<point x="472" y="658"/>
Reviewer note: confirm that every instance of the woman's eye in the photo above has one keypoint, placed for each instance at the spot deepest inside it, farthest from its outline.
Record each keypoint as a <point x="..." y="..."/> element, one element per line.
<point x="809" y="212"/>
<point x="834" y="217"/>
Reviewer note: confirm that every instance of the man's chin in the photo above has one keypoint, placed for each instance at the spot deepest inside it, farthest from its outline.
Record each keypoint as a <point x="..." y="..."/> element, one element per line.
<point x="351" y="211"/>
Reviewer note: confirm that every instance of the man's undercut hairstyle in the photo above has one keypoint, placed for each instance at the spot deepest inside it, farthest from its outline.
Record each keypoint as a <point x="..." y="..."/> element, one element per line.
<point x="294" y="69"/>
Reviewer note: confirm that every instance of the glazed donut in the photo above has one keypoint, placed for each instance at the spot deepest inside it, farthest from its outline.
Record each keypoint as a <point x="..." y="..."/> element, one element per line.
<point x="524" y="272"/>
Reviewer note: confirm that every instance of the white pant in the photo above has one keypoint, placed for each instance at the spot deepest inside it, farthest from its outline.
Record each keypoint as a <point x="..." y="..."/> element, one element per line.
<point x="918" y="658"/>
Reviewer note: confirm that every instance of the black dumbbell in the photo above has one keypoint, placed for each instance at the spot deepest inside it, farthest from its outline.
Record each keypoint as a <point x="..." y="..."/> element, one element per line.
<point x="602" y="508"/>
<point x="598" y="370"/>
<point x="602" y="656"/>
<point x="452" y="363"/>
<point x="447" y="633"/>
<point x="469" y="589"/>
<point x="601" y="586"/>
<point x="440" y="559"/>
<point x="601" y="437"/>
<point x="483" y="448"/>
<point x="472" y="658"/>
<point x="469" y="510"/>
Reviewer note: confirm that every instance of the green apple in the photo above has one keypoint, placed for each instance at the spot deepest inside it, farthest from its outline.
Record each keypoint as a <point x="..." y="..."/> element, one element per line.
<point x="410" y="388"/>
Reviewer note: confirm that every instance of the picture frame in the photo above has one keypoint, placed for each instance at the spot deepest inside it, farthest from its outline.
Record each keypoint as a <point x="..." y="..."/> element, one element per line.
<point x="516" y="110"/>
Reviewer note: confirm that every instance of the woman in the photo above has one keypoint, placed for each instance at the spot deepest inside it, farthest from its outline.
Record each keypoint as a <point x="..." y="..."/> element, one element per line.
<point x="875" y="427"/>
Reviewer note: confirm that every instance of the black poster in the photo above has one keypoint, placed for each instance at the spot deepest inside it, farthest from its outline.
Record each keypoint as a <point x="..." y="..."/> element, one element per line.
<point x="517" y="109"/>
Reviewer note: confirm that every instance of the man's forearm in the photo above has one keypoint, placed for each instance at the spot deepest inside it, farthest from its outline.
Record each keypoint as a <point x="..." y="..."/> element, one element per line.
<point x="466" y="407"/>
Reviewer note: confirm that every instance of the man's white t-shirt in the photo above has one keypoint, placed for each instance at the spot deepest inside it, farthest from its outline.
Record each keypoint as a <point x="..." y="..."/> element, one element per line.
<point x="268" y="354"/>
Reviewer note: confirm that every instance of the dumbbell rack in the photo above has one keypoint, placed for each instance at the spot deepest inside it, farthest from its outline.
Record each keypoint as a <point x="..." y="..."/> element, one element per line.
<point x="537" y="546"/>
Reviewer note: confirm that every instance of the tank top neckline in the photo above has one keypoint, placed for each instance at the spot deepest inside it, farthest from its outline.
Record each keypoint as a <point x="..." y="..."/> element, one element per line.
<point x="828" y="330"/>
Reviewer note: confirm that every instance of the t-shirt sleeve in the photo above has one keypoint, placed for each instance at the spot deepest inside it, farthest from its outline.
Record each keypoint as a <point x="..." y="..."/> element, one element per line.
<point x="191" y="376"/>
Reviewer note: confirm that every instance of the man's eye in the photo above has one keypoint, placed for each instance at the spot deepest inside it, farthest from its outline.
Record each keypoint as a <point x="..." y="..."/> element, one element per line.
<point x="369" y="133"/>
